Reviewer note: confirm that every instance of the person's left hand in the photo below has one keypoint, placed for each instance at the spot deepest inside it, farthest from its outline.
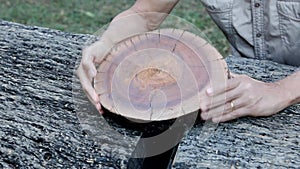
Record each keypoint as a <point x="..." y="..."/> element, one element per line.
<point x="242" y="96"/>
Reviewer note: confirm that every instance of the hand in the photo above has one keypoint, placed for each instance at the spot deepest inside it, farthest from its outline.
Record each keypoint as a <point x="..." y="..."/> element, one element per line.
<point x="242" y="96"/>
<point x="87" y="71"/>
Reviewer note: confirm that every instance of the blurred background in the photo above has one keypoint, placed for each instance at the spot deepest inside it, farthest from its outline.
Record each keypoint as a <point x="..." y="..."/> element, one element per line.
<point x="87" y="16"/>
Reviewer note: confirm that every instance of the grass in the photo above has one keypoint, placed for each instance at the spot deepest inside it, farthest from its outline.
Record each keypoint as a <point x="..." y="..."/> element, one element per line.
<point x="87" y="16"/>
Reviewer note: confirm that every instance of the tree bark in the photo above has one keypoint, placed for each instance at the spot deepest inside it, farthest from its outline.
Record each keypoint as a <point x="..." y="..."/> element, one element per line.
<point x="47" y="122"/>
<point x="44" y="123"/>
<point x="269" y="142"/>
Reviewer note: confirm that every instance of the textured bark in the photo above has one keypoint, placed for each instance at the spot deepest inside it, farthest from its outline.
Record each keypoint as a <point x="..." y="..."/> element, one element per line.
<point x="40" y="120"/>
<point x="271" y="142"/>
<point x="46" y="121"/>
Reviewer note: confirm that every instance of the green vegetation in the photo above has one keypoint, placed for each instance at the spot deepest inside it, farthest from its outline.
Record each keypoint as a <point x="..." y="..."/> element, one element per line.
<point x="87" y="16"/>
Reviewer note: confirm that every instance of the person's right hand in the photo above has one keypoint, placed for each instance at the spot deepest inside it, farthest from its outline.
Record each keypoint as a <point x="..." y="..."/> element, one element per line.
<point x="143" y="16"/>
<point x="86" y="71"/>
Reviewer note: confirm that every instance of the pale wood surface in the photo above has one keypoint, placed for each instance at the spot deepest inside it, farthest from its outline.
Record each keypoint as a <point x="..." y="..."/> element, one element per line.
<point x="158" y="75"/>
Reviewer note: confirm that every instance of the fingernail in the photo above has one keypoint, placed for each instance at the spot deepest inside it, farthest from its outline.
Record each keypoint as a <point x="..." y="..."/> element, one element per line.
<point x="101" y="111"/>
<point x="209" y="91"/>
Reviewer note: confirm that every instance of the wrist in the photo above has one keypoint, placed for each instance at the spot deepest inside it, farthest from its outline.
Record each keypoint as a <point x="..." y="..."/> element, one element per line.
<point x="294" y="97"/>
<point x="290" y="94"/>
<point x="281" y="97"/>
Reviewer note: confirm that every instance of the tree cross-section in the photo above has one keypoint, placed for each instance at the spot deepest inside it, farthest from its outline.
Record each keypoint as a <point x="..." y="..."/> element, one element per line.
<point x="158" y="75"/>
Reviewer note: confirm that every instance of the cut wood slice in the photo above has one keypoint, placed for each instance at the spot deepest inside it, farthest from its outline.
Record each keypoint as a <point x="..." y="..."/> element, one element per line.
<point x="158" y="75"/>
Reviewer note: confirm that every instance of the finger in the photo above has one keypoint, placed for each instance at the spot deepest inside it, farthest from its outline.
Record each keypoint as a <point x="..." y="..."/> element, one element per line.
<point x="224" y="109"/>
<point x="230" y="116"/>
<point x="90" y="92"/>
<point x="97" y="51"/>
<point x="209" y="103"/>
<point x="99" y="108"/>
<point x="231" y="84"/>
<point x="89" y="67"/>
<point x="218" y="111"/>
<point x="96" y="104"/>
<point x="87" y="86"/>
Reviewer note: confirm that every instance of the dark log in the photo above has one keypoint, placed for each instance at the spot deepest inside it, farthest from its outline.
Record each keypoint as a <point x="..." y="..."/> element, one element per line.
<point x="46" y="121"/>
<point x="270" y="142"/>
<point x="41" y="124"/>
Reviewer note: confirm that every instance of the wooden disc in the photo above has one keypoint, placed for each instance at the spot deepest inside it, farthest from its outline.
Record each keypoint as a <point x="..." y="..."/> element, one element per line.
<point x="158" y="75"/>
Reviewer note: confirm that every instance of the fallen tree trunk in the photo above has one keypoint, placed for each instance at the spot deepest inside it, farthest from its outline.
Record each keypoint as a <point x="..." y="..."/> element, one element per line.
<point x="39" y="124"/>
<point x="46" y="121"/>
